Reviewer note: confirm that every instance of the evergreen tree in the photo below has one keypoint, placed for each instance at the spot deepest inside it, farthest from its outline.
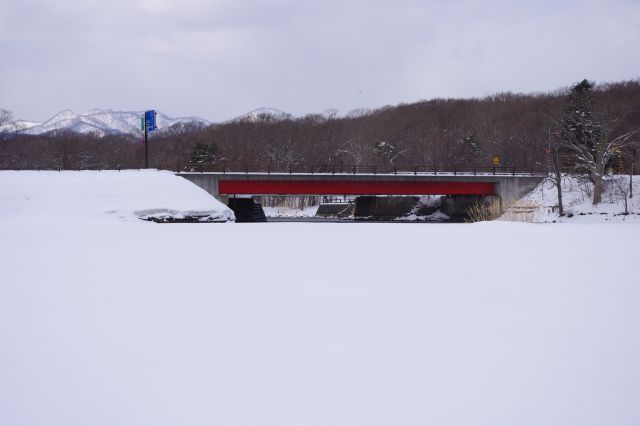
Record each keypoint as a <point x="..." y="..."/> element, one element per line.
<point x="580" y="127"/>
<point x="203" y="153"/>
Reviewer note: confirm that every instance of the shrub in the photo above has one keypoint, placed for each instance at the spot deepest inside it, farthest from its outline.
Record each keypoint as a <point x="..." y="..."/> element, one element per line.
<point x="483" y="211"/>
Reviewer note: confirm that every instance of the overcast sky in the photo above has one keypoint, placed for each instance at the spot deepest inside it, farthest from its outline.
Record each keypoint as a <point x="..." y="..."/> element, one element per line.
<point x="218" y="59"/>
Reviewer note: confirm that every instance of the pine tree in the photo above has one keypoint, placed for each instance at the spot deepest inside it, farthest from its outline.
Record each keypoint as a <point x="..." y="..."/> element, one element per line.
<point x="580" y="127"/>
<point x="203" y="153"/>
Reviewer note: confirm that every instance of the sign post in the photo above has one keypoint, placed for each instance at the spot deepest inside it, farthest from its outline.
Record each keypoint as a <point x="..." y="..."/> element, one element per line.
<point x="149" y="125"/>
<point x="496" y="163"/>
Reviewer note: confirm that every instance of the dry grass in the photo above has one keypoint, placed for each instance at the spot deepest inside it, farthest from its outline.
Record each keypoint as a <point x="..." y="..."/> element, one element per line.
<point x="484" y="211"/>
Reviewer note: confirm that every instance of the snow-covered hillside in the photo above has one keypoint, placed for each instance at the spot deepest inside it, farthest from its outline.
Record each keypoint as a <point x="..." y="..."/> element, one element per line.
<point x="105" y="121"/>
<point x="98" y="121"/>
<point x="17" y="126"/>
<point x="72" y="197"/>
<point x="540" y="205"/>
<point x="273" y="114"/>
<point x="264" y="114"/>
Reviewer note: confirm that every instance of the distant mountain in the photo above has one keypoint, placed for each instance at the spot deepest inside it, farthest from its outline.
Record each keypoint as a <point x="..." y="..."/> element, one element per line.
<point x="17" y="126"/>
<point x="98" y="121"/>
<point x="264" y="114"/>
<point x="108" y="122"/>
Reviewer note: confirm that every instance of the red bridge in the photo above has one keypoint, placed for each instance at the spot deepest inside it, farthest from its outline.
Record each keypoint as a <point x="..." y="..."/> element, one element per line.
<point x="507" y="186"/>
<point x="351" y="187"/>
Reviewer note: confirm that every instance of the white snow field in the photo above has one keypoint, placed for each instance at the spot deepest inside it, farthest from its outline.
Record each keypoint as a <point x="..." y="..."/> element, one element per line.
<point x="72" y="196"/>
<point x="114" y="321"/>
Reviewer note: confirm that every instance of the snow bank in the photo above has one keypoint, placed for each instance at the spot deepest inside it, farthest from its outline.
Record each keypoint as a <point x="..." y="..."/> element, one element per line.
<point x="92" y="195"/>
<point x="540" y="205"/>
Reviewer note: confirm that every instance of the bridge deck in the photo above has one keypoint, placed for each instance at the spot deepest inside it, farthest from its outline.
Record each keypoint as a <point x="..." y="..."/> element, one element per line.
<point x="220" y="183"/>
<point x="351" y="187"/>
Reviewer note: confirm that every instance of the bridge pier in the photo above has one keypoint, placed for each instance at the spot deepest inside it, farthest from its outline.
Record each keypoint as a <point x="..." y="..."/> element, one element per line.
<point x="457" y="206"/>
<point x="383" y="208"/>
<point x="246" y="210"/>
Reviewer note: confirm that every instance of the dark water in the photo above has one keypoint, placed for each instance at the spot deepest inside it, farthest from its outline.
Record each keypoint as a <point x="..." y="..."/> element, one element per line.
<point x="335" y="220"/>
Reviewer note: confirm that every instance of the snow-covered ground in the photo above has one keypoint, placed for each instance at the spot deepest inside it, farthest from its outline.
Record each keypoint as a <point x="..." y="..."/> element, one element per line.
<point x="124" y="322"/>
<point x="541" y="204"/>
<point x="73" y="196"/>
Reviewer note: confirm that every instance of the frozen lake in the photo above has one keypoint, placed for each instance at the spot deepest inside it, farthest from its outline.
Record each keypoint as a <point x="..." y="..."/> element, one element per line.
<point x="304" y="323"/>
<point x="109" y="320"/>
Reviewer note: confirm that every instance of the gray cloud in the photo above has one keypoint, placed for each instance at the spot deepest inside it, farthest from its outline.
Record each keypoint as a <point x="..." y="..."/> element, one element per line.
<point x="218" y="59"/>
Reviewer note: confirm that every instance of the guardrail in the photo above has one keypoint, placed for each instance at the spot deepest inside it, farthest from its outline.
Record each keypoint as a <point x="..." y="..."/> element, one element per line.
<point x="358" y="169"/>
<point x="333" y="169"/>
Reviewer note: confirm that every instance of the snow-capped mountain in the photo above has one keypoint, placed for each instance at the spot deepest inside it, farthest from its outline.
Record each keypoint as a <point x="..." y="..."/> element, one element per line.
<point x="108" y="122"/>
<point x="17" y="126"/>
<point x="264" y="114"/>
<point x="98" y="121"/>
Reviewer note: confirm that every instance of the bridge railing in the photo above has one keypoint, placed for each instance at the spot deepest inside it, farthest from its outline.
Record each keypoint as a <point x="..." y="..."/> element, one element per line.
<point x="359" y="169"/>
<point x="334" y="169"/>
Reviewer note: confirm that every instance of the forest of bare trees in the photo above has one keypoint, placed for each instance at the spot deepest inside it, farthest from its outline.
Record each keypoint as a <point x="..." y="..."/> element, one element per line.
<point x="519" y="129"/>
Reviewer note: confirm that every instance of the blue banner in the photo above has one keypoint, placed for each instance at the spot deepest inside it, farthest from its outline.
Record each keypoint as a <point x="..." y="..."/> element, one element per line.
<point x="150" y="120"/>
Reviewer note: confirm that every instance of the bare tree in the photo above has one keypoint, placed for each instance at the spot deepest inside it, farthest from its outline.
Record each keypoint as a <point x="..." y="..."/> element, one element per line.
<point x="592" y="138"/>
<point x="554" y="151"/>
<point x="595" y="161"/>
<point x="619" y="190"/>
<point x="631" y="155"/>
<point x="386" y="152"/>
<point x="438" y="133"/>
<point x="282" y="156"/>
